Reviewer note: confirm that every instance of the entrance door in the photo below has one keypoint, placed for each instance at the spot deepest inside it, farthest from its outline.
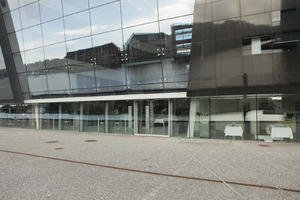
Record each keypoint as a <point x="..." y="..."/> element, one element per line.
<point x="153" y="117"/>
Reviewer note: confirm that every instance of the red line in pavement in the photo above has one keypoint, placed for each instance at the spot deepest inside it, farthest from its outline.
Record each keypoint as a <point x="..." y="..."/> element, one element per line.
<point x="154" y="173"/>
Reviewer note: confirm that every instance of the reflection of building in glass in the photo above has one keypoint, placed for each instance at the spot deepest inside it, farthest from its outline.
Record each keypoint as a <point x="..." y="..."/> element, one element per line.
<point x="182" y="38"/>
<point x="146" y="46"/>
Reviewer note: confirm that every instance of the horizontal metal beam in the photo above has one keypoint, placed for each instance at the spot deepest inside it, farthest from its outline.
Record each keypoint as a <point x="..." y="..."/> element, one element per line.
<point x="173" y="95"/>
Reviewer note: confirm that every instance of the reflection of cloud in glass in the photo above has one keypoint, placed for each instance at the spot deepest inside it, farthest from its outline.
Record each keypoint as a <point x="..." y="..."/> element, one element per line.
<point x="172" y="8"/>
<point x="138" y="11"/>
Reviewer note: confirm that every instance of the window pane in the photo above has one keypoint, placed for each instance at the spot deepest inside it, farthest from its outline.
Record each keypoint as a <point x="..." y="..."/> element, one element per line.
<point x="50" y="9"/>
<point x="35" y="59"/>
<point x="37" y="83"/>
<point x="13" y="4"/>
<point x="143" y="49"/>
<point x="176" y="41"/>
<point x="77" y="25"/>
<point x="72" y="6"/>
<point x="174" y="8"/>
<point x="94" y="3"/>
<point x="106" y="18"/>
<point x="30" y="15"/>
<point x="55" y="55"/>
<point x="58" y="80"/>
<point x="25" y="2"/>
<point x="53" y="32"/>
<point x="107" y="49"/>
<point x="76" y="50"/>
<point x="138" y="12"/>
<point x="32" y="37"/>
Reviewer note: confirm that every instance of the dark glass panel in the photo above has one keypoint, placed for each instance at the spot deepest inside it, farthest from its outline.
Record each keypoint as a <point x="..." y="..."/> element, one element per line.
<point x="225" y="9"/>
<point x="255" y="6"/>
<point x="143" y="54"/>
<point x="120" y="117"/>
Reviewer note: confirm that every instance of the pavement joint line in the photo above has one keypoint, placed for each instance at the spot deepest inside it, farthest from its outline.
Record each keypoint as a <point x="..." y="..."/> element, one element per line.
<point x="153" y="173"/>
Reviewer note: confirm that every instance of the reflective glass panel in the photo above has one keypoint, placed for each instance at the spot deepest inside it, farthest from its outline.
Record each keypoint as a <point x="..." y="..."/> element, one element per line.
<point x="30" y="15"/>
<point x="37" y="82"/>
<point x="120" y="118"/>
<point x="58" y="80"/>
<point x="174" y="8"/>
<point x="79" y="51"/>
<point x="35" y="59"/>
<point x="55" y="55"/>
<point x="25" y="2"/>
<point x="53" y="32"/>
<point x="77" y="25"/>
<point x="106" y="18"/>
<point x="94" y="117"/>
<point x="94" y="3"/>
<point x="32" y="37"/>
<point x="143" y="54"/>
<point x="50" y="9"/>
<point x="72" y="6"/>
<point x="138" y="12"/>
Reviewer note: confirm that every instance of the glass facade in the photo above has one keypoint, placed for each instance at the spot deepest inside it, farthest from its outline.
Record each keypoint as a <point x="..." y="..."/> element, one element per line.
<point x="258" y="117"/>
<point x="100" y="46"/>
<point x="238" y="60"/>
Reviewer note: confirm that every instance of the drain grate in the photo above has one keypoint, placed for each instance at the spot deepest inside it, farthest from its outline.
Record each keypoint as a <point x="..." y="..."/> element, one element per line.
<point x="52" y="142"/>
<point x="59" y="148"/>
<point x="264" y="145"/>
<point x="90" y="140"/>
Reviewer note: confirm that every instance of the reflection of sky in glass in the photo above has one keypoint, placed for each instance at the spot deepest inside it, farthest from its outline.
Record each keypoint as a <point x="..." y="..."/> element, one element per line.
<point x="77" y="25"/>
<point x="57" y="51"/>
<point x="30" y="15"/>
<point x="72" y="6"/>
<point x="106" y="18"/>
<point x="111" y="37"/>
<point x="32" y="37"/>
<point x="50" y="9"/>
<point x="2" y="64"/>
<point x="82" y="43"/>
<point x="53" y="32"/>
<point x="166" y="25"/>
<point x="147" y="28"/>
<point x="34" y="55"/>
<point x="173" y="8"/>
<point x="24" y="2"/>
<point x="94" y="3"/>
<point x="138" y="11"/>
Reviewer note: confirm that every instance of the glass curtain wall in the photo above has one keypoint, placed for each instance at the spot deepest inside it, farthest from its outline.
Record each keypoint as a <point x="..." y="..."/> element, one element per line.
<point x="79" y="47"/>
